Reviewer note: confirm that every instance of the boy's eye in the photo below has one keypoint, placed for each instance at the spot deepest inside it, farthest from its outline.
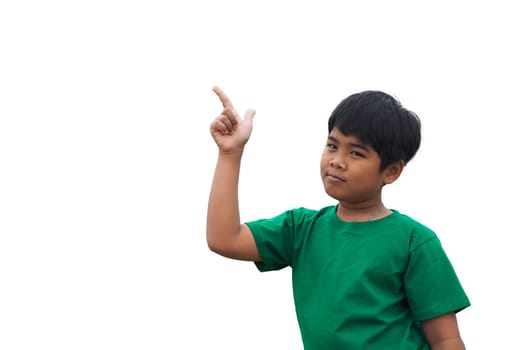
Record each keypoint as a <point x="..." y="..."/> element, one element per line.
<point x="357" y="154"/>
<point x="331" y="146"/>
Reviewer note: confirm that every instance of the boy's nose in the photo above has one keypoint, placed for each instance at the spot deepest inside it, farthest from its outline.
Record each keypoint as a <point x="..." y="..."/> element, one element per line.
<point x="337" y="163"/>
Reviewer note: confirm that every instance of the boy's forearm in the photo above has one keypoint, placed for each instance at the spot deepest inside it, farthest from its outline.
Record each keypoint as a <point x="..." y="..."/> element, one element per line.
<point x="223" y="222"/>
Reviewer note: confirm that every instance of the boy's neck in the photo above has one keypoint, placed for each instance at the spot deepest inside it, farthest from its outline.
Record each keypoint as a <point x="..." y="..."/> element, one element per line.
<point x="362" y="214"/>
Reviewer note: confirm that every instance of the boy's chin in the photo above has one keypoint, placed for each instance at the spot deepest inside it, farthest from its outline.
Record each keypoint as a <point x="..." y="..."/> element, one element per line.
<point x="332" y="195"/>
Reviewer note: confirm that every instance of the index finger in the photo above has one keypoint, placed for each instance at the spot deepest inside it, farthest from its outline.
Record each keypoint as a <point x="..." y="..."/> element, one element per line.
<point x="226" y="103"/>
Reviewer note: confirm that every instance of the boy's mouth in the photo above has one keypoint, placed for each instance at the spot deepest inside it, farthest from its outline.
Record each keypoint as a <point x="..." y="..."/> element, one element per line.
<point x="332" y="177"/>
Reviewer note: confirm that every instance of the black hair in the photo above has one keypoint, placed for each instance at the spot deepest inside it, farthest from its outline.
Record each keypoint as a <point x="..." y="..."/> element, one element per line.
<point x="379" y="120"/>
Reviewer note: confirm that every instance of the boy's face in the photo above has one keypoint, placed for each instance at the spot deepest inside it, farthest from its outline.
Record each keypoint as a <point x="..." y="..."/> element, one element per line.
<point x="350" y="170"/>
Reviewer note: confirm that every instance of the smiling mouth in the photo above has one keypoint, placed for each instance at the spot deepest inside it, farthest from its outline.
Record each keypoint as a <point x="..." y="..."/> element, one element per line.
<point x="332" y="177"/>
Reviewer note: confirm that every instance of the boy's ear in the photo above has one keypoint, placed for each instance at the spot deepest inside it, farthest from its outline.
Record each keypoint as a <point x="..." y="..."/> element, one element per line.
<point x="392" y="172"/>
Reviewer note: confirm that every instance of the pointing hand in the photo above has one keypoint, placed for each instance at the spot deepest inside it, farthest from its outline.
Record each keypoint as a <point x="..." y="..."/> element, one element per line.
<point x="229" y="131"/>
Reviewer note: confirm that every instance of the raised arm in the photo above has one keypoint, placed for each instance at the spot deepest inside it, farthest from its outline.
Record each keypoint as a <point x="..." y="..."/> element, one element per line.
<point x="224" y="232"/>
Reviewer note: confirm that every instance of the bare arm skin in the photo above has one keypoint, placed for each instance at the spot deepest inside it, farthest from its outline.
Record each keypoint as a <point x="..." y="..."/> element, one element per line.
<point x="442" y="333"/>
<point x="224" y="232"/>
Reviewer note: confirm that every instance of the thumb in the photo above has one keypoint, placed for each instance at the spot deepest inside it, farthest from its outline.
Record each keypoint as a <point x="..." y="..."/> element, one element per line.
<point x="249" y="115"/>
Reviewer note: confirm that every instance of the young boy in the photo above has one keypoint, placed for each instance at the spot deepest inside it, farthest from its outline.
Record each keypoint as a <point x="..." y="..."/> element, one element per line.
<point x="364" y="276"/>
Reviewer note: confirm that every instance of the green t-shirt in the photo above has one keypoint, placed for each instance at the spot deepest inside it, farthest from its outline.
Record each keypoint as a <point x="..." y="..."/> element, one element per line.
<point x="360" y="285"/>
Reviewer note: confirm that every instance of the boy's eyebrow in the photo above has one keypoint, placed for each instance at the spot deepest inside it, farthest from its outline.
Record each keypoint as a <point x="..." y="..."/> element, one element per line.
<point x="356" y="145"/>
<point x="360" y="146"/>
<point x="331" y="138"/>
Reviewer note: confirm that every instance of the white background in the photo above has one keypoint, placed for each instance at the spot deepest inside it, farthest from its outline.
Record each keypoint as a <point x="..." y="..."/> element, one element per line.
<point x="106" y="158"/>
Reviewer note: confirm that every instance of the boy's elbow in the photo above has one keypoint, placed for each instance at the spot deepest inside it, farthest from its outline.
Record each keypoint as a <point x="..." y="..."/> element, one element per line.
<point x="217" y="246"/>
<point x="221" y="242"/>
<point x="238" y="247"/>
<point x="213" y="246"/>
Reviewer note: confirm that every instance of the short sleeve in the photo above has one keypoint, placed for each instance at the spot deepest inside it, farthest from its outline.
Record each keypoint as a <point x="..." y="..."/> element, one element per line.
<point x="431" y="284"/>
<point x="274" y="240"/>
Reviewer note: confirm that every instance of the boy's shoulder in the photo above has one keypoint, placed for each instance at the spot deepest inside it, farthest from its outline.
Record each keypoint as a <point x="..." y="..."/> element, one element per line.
<point x="419" y="233"/>
<point x="396" y="223"/>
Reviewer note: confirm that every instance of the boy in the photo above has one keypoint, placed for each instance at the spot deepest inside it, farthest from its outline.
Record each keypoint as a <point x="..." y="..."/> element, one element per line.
<point x="364" y="276"/>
